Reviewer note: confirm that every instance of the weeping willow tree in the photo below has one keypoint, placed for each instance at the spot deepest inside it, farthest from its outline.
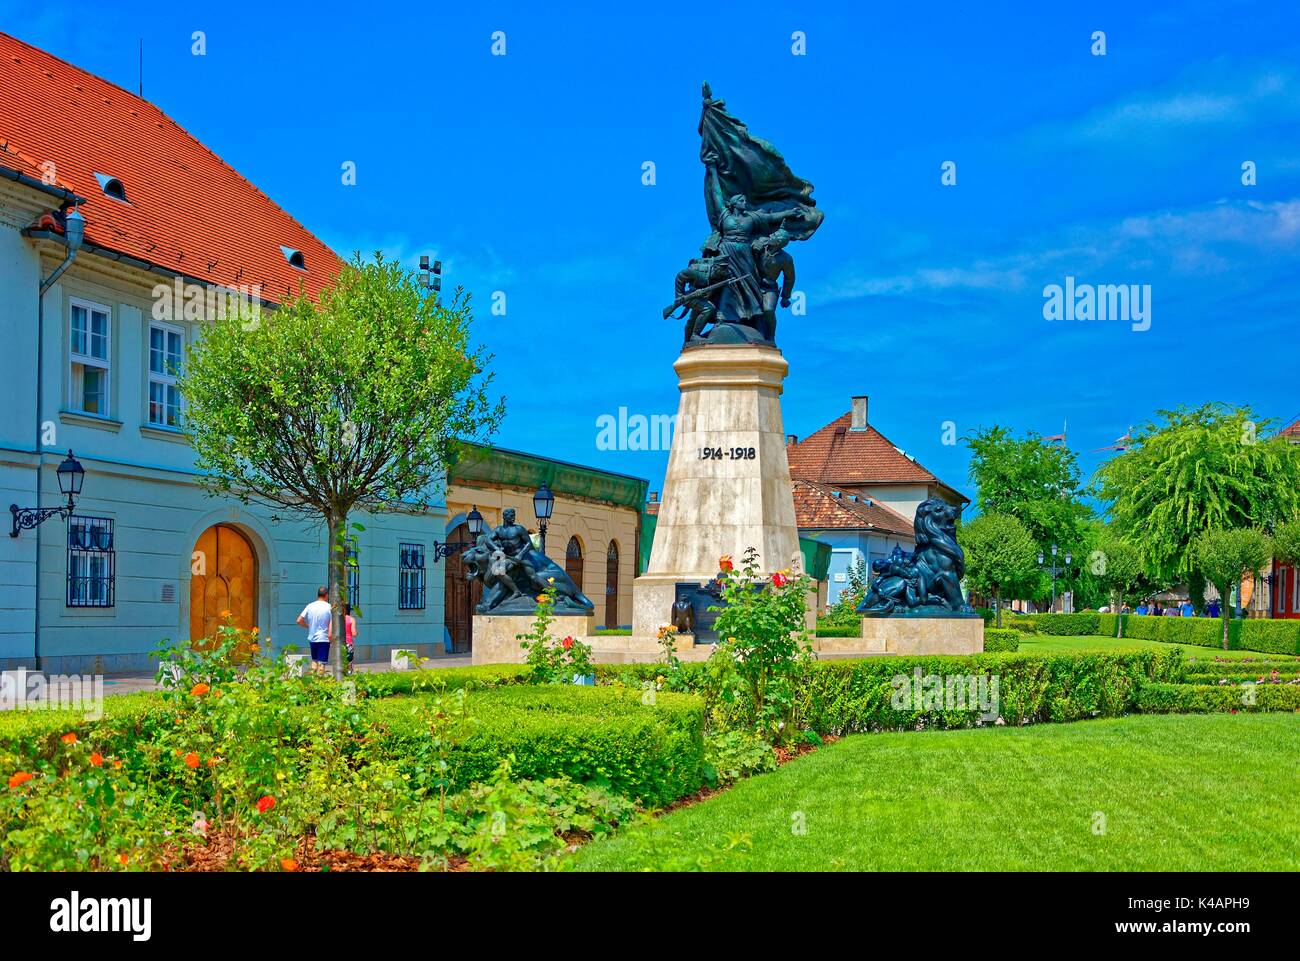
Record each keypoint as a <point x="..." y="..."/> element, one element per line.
<point x="1212" y="467"/>
<point x="354" y="402"/>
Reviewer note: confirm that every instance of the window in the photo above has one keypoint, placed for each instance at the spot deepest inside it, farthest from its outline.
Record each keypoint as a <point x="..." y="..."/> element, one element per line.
<point x="166" y="344"/>
<point x="111" y="186"/>
<point x="91" y="562"/>
<point x="294" y="257"/>
<point x="410" y="577"/>
<point x="88" y="345"/>
<point x="354" y="579"/>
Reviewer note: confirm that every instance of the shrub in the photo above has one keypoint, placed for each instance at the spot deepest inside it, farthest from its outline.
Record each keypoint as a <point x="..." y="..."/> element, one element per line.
<point x="1068" y="625"/>
<point x="1002" y="639"/>
<point x="1265" y="636"/>
<point x="852" y="696"/>
<point x="1225" y="698"/>
<point x="647" y="745"/>
<point x="732" y="755"/>
<point x="1024" y="623"/>
<point x="986" y="615"/>
<point x="1270" y="637"/>
<point x="839" y="630"/>
<point x="479" y="677"/>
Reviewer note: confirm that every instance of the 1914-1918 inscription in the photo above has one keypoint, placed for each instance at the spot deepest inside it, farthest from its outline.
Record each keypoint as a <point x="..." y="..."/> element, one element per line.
<point x="728" y="453"/>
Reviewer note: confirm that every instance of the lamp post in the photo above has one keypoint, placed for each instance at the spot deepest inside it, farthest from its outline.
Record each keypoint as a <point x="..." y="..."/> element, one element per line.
<point x="543" y="505"/>
<point x="431" y="277"/>
<point x="71" y="476"/>
<point x="475" y="523"/>
<point x="1054" y="569"/>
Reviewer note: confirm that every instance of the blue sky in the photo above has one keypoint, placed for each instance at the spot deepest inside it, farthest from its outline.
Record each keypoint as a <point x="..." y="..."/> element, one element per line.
<point x="523" y="174"/>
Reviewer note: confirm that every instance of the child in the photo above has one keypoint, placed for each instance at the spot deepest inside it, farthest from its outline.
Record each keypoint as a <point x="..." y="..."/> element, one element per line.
<point x="350" y="632"/>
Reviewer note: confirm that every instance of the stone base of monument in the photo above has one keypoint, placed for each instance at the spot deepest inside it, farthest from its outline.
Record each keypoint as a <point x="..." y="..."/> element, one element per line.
<point x="906" y="635"/>
<point x="496" y="636"/>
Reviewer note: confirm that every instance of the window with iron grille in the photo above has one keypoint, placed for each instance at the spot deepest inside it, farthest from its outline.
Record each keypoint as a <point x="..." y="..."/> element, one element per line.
<point x="92" y="562"/>
<point x="354" y="579"/>
<point x="410" y="577"/>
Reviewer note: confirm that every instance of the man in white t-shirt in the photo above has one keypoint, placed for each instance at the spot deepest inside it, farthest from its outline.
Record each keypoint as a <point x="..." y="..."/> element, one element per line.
<point x="317" y="618"/>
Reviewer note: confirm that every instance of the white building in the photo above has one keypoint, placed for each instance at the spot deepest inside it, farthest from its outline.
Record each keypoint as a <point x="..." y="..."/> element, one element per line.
<point x="89" y="367"/>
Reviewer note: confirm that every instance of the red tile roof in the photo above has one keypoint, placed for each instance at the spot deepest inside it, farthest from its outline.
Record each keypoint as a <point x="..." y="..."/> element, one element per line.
<point x="818" y="507"/>
<point x="187" y="210"/>
<point x="1292" y="431"/>
<point x="837" y="455"/>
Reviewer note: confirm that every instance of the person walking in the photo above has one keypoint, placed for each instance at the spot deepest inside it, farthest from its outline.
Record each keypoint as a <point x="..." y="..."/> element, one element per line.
<point x="317" y="617"/>
<point x="350" y="633"/>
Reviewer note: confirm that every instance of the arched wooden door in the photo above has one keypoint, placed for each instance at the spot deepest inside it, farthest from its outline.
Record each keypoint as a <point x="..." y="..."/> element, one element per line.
<point x="611" y="585"/>
<point x="223" y="583"/>
<point x="461" y="595"/>
<point x="573" y="561"/>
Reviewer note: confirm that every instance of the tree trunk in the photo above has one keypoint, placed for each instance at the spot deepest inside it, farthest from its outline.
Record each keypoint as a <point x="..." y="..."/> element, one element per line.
<point x="1117" y="608"/>
<point x="337" y="581"/>
<point x="997" y="607"/>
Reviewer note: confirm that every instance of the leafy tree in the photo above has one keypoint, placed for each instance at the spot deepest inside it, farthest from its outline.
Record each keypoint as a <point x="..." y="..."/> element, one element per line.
<point x="355" y="402"/>
<point x="1036" y="481"/>
<point x="1226" y="556"/>
<point x="1000" y="556"/>
<point x="1196" y="470"/>
<point x="1286" y="542"/>
<point x="1117" y="565"/>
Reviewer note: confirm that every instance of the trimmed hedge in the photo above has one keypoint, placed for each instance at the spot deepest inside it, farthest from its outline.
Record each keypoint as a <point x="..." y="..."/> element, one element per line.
<point x="1024" y="623"/>
<point x="1216" y="699"/>
<point x="839" y="630"/>
<point x="604" y="736"/>
<point x="1067" y="625"/>
<point x="479" y="677"/>
<point x="851" y="696"/>
<point x="1251" y="634"/>
<point x="1000" y="639"/>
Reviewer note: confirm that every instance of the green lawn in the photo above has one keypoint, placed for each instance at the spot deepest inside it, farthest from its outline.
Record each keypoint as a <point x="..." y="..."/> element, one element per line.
<point x="1179" y="793"/>
<point x="1042" y="643"/>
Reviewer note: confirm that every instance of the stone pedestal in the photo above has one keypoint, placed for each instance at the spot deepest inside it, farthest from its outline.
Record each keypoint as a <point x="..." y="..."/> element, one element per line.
<point x="907" y="635"/>
<point x="496" y="636"/>
<point x="727" y="487"/>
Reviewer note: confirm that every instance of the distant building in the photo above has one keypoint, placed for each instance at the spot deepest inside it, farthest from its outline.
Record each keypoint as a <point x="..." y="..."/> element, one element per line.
<point x="858" y="492"/>
<point x="1284" y="579"/>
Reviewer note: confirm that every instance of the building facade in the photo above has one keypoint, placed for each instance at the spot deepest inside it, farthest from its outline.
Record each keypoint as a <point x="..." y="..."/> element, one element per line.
<point x="94" y="343"/>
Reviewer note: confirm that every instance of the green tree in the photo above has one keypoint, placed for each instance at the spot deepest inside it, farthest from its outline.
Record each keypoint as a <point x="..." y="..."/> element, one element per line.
<point x="1000" y="556"/>
<point x="1198" y="469"/>
<point x="1036" y="481"/>
<point x="354" y="402"/>
<point x="1117" y="565"/>
<point x="1286" y="542"/>
<point x="1226" y="556"/>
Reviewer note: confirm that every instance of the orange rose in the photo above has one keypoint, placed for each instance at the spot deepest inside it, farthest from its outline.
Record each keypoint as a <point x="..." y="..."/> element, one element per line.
<point x="121" y="859"/>
<point x="191" y="760"/>
<point x="22" y="777"/>
<point x="69" y="738"/>
<point x="117" y="765"/>
<point x="198" y="690"/>
<point x="725" y="563"/>
<point x="265" y="804"/>
<point x="97" y="759"/>
<point x="288" y="864"/>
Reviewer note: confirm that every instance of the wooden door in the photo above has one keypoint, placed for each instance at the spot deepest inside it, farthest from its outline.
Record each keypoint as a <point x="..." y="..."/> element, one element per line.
<point x="461" y="596"/>
<point x="223" y="583"/>
<point x="573" y="561"/>
<point x="611" y="585"/>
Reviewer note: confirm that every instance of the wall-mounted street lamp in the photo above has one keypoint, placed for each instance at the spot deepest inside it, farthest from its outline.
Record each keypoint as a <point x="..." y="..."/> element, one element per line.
<point x="543" y="505"/>
<point x="1054" y="570"/>
<point x="475" y="523"/>
<point x="71" y="476"/>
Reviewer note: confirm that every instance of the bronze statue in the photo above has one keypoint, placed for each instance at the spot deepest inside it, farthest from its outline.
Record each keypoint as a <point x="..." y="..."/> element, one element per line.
<point x="756" y="206"/>
<point x="927" y="583"/>
<point x="513" y="573"/>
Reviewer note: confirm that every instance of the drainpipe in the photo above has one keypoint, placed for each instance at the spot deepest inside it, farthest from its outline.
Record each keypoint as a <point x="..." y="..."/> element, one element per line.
<point x="74" y="231"/>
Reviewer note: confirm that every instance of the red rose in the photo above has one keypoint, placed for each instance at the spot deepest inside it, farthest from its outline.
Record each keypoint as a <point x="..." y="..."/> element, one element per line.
<point x="779" y="580"/>
<point x="724" y="563"/>
<point x="97" y="759"/>
<point x="265" y="804"/>
<point x="567" y="643"/>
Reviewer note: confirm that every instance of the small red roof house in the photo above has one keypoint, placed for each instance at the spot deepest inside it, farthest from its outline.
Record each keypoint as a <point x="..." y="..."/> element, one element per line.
<point x="855" y="490"/>
<point x="1292" y="433"/>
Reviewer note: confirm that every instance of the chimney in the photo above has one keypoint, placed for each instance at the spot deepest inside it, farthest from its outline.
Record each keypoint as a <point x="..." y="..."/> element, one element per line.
<point x="859" y="418"/>
<point x="791" y="440"/>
